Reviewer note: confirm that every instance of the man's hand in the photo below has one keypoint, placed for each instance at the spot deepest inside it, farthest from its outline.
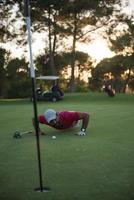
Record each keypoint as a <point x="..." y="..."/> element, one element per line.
<point x="81" y="133"/>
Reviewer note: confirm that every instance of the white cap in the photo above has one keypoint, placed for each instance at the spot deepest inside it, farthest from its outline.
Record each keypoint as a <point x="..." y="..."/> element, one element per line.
<point x="50" y="114"/>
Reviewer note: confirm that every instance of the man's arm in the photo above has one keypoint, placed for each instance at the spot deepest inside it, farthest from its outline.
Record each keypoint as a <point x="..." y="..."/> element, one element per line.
<point x="85" y="120"/>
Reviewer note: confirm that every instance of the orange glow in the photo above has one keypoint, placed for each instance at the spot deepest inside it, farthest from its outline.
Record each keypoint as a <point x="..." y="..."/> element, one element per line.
<point x="98" y="49"/>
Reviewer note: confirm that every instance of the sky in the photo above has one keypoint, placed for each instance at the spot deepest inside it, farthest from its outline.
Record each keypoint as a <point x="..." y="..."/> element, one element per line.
<point x="97" y="49"/>
<point x="130" y="8"/>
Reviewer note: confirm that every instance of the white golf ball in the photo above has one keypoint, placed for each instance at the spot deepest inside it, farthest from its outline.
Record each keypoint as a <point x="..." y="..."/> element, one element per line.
<point x="53" y="137"/>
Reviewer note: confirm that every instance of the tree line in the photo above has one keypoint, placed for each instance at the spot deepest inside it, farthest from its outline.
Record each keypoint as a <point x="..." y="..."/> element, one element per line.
<point x="73" y="21"/>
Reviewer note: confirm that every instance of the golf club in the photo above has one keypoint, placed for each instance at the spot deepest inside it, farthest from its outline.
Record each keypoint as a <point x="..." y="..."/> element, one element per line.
<point x="19" y="134"/>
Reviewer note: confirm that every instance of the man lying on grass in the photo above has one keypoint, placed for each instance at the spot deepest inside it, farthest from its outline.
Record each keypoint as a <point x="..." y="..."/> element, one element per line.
<point x="64" y="120"/>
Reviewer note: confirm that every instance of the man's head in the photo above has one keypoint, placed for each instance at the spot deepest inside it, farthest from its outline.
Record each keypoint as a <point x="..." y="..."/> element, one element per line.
<point x="50" y="115"/>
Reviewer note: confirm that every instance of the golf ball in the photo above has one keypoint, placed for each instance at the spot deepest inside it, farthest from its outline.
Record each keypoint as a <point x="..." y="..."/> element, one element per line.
<point x="53" y="137"/>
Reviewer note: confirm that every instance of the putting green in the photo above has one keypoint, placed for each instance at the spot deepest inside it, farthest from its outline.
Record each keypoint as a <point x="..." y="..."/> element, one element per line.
<point x="97" y="166"/>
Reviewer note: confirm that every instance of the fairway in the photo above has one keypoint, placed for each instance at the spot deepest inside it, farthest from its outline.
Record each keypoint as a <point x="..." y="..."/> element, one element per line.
<point x="98" y="166"/>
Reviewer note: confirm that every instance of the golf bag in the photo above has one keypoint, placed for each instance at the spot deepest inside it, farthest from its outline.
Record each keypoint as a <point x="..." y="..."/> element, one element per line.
<point x="109" y="92"/>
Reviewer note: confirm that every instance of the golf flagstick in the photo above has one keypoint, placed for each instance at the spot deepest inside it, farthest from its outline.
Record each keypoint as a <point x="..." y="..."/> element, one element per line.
<point x="32" y="73"/>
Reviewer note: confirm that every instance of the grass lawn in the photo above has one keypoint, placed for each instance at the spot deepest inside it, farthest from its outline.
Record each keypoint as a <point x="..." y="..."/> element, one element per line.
<point x="98" y="166"/>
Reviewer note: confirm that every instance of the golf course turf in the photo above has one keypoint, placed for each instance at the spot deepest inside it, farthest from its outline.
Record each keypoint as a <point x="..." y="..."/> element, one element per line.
<point x="98" y="166"/>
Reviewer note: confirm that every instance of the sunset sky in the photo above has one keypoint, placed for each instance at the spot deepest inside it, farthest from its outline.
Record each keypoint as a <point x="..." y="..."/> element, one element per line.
<point x="97" y="49"/>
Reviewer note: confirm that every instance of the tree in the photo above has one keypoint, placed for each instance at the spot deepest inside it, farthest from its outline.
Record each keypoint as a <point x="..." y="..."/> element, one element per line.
<point x="62" y="63"/>
<point x="10" y="12"/>
<point x="121" y="41"/>
<point x="79" y="14"/>
<point x="2" y="71"/>
<point x="19" y="84"/>
<point x="45" y="16"/>
<point x="5" y="15"/>
<point x="65" y="19"/>
<point x="68" y="19"/>
<point x="116" y="71"/>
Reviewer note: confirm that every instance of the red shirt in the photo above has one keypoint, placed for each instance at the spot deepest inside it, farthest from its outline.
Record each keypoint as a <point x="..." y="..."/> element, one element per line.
<point x="66" y="118"/>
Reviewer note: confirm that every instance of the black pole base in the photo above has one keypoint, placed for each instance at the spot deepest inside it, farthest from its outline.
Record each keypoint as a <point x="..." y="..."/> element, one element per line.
<point x="44" y="189"/>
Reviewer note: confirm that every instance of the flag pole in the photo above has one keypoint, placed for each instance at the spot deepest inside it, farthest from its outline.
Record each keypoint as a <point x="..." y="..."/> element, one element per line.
<point x="32" y="74"/>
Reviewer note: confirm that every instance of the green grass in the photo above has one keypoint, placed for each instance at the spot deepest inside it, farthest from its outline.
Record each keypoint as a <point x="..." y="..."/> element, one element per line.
<point x="95" y="167"/>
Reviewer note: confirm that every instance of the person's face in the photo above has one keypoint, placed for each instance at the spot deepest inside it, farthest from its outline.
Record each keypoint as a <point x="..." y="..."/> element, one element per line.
<point x="54" y="121"/>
